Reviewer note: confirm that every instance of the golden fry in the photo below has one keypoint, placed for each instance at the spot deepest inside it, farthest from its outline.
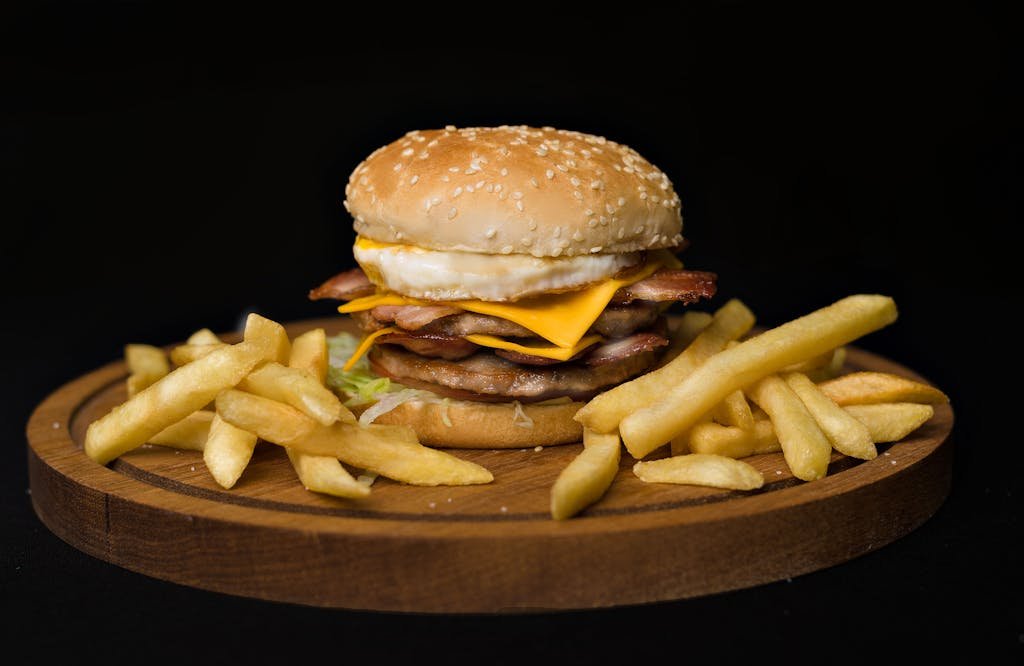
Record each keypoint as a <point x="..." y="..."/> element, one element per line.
<point x="670" y="412"/>
<point x="228" y="451"/>
<point x="698" y="469"/>
<point x="185" y="354"/>
<point x="309" y="353"/>
<point x="323" y="474"/>
<point x="299" y="389"/>
<point x="190" y="433"/>
<point x="682" y="335"/>
<point x="871" y="388"/>
<point x="734" y="442"/>
<point x="391" y="451"/>
<point x="604" y="412"/>
<point x="891" y="422"/>
<point x="185" y="390"/>
<point x="269" y="336"/>
<point x="848" y="435"/>
<point x="203" y="336"/>
<point x="146" y="364"/>
<point x="586" y="478"/>
<point x="805" y="447"/>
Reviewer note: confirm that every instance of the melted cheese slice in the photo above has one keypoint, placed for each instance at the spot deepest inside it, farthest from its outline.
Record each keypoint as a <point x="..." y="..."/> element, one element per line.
<point x="544" y="351"/>
<point x="562" y="319"/>
<point x="365" y="345"/>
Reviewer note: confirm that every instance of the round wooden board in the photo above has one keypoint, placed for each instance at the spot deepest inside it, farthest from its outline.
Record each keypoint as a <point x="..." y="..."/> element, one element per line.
<point x="489" y="548"/>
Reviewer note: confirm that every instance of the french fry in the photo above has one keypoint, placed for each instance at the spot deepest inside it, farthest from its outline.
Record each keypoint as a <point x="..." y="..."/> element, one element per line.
<point x="269" y="335"/>
<point x="668" y="413"/>
<point x="323" y="474"/>
<point x="734" y="410"/>
<point x="320" y="473"/>
<point x="183" y="391"/>
<point x="185" y="354"/>
<point x="203" y="336"/>
<point x="699" y="469"/>
<point x="891" y="422"/>
<point x="604" y="412"/>
<point x="587" y="477"/>
<point x="298" y="389"/>
<point x="848" y="435"/>
<point x="869" y="388"/>
<point x="804" y="446"/>
<point x="268" y="419"/>
<point x="831" y="369"/>
<point x="228" y="451"/>
<point x="682" y="335"/>
<point x="146" y="364"/>
<point x="391" y="451"/>
<point x="309" y="353"/>
<point x="733" y="442"/>
<point x="190" y="433"/>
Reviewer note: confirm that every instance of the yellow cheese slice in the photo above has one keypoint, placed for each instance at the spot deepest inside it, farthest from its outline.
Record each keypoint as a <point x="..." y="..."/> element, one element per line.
<point x="545" y="351"/>
<point x="559" y="318"/>
<point x="365" y="345"/>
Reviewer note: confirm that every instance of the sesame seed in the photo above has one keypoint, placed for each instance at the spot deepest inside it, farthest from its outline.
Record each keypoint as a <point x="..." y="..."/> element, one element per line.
<point x="450" y="128"/>
<point x="561" y="167"/>
<point x="55" y="425"/>
<point x="453" y="169"/>
<point x="519" y="205"/>
<point x="423" y="155"/>
<point x="408" y="152"/>
<point x="643" y="195"/>
<point x="432" y="143"/>
<point x="497" y="188"/>
<point x="533" y="181"/>
<point x="469" y="189"/>
<point x="446" y="178"/>
<point x="569" y="252"/>
<point x="557" y="252"/>
<point x="542" y="151"/>
<point x="504" y="171"/>
<point x="592" y="222"/>
<point x="507" y="249"/>
<point x="452" y="213"/>
<point x="517" y="195"/>
<point x="479" y="184"/>
<point x="538" y="449"/>
<point x="532" y="225"/>
<point x="577" y="237"/>
<point x="609" y="209"/>
<point x="490" y="187"/>
<point x="502" y="196"/>
<point x="621" y="202"/>
<point x="550" y="174"/>
<point x="588" y="212"/>
<point x="526" y="241"/>
<point x="575" y="181"/>
<point x="457" y="192"/>
<point x="778" y="472"/>
<point x="577" y="194"/>
<point x="622" y="232"/>
<point x="557" y="232"/>
<point x="490" y="233"/>
<point x="415" y="179"/>
<point x="435" y="200"/>
<point x="504" y="509"/>
<point x="596" y="249"/>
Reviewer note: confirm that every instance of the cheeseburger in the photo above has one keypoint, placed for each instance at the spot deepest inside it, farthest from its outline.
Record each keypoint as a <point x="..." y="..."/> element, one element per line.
<point x="509" y="274"/>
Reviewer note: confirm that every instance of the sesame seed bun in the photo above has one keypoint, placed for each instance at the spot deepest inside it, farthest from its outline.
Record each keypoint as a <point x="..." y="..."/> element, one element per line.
<point x="513" y="190"/>
<point x="482" y="425"/>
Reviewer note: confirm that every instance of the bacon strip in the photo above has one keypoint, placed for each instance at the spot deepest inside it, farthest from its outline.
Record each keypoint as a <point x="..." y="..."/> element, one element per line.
<point x="616" y="350"/>
<point x="344" y="287"/>
<point x="432" y="345"/>
<point x="412" y="317"/>
<point x="669" y="285"/>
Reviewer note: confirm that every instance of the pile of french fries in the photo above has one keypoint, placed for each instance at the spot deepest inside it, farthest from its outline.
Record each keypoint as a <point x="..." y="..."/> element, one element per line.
<point x="222" y="398"/>
<point x="719" y="397"/>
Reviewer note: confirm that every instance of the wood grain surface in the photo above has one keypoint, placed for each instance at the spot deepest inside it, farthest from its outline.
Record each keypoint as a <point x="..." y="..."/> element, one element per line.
<point x="490" y="548"/>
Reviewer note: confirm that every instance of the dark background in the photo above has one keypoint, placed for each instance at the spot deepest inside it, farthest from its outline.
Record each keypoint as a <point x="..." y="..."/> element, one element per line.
<point x="162" y="173"/>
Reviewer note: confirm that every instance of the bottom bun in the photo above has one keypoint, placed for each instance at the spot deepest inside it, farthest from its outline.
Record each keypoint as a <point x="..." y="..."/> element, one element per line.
<point x="487" y="425"/>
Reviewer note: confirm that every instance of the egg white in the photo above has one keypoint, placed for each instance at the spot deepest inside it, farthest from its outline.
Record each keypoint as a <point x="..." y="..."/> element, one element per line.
<point x="450" y="276"/>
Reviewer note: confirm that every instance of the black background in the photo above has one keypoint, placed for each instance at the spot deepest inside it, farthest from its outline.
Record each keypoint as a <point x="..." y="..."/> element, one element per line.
<point x="163" y="172"/>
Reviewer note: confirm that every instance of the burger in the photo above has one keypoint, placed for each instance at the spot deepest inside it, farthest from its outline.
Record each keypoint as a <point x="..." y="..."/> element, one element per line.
<point x="506" y="276"/>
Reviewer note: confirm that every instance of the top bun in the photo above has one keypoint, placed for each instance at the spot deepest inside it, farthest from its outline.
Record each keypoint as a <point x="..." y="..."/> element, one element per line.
<point x="513" y="190"/>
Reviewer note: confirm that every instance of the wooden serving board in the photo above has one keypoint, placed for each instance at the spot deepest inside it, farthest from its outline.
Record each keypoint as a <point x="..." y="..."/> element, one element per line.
<point x="490" y="548"/>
